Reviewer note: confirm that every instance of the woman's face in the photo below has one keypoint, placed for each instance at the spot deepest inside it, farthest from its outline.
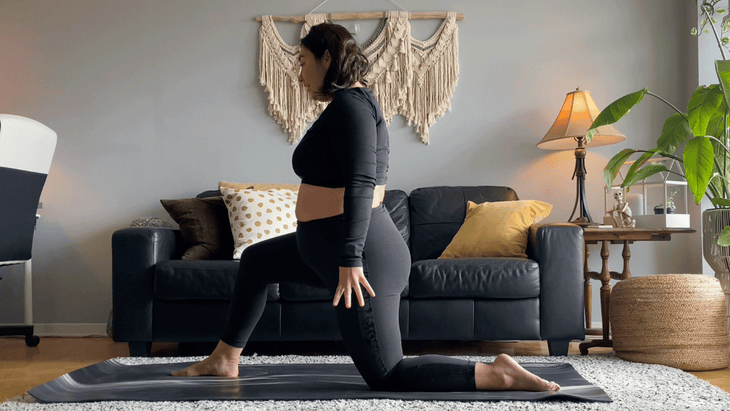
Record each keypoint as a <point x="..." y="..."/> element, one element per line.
<point x="312" y="72"/>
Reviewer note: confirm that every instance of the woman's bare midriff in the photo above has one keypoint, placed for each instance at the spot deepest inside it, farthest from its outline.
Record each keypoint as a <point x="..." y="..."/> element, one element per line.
<point x="315" y="202"/>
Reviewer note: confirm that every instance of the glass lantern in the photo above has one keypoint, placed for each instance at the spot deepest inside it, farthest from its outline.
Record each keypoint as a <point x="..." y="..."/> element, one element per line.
<point x="659" y="201"/>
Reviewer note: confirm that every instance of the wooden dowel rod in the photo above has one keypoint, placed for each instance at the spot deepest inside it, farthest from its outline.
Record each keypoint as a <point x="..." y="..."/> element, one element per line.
<point x="366" y="16"/>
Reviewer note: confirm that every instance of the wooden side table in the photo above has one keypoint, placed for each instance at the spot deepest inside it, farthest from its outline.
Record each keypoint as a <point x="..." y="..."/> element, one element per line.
<point x="593" y="235"/>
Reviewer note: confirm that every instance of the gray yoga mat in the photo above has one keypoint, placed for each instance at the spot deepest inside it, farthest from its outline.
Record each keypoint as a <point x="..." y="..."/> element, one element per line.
<point x="114" y="381"/>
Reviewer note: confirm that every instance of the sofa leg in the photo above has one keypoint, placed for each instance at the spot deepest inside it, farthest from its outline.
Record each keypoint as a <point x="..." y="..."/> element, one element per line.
<point x="140" y="348"/>
<point x="558" y="347"/>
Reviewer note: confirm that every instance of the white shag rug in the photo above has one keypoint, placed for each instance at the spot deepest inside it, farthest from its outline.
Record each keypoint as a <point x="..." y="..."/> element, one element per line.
<point x="632" y="386"/>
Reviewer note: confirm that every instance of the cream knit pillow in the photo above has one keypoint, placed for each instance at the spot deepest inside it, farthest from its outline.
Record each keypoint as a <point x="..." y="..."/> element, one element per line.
<point x="258" y="215"/>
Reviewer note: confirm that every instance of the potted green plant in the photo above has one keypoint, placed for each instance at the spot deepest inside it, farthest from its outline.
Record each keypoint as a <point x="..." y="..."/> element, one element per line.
<point x="667" y="206"/>
<point x="698" y="138"/>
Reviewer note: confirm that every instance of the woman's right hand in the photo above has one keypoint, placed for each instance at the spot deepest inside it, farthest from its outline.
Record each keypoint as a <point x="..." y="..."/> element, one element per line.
<point x="351" y="278"/>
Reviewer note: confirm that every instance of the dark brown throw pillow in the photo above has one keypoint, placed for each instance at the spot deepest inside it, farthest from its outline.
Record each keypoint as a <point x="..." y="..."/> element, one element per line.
<point x="204" y="227"/>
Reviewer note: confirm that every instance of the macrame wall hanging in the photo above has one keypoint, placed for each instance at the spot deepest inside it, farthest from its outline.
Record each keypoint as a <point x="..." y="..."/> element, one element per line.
<point x="409" y="77"/>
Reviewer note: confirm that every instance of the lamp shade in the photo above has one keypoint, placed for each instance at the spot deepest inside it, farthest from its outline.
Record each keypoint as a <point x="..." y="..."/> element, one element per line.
<point x="575" y="118"/>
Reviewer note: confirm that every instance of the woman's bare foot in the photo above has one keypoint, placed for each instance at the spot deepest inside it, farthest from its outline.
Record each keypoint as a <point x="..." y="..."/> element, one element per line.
<point x="222" y="362"/>
<point x="506" y="374"/>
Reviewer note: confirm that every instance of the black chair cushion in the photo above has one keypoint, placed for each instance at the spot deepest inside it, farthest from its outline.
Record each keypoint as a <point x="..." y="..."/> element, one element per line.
<point x="199" y="280"/>
<point x="21" y="191"/>
<point x="437" y="213"/>
<point x="501" y="278"/>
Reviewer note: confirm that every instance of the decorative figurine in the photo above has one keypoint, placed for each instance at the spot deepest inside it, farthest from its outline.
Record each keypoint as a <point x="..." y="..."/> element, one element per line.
<point x="621" y="212"/>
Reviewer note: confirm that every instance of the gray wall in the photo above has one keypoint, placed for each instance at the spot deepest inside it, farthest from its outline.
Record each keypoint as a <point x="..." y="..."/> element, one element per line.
<point x="161" y="99"/>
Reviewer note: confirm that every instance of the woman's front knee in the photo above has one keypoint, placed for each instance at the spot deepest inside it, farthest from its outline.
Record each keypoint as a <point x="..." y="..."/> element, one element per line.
<point x="251" y="269"/>
<point x="268" y="251"/>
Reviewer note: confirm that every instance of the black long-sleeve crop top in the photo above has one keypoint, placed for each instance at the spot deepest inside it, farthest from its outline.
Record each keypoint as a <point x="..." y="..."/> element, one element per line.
<point x="348" y="147"/>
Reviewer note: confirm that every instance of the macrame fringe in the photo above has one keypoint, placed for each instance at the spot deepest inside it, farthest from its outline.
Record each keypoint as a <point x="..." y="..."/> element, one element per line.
<point x="409" y="77"/>
<point x="289" y="103"/>
<point x="436" y="72"/>
<point x="390" y="57"/>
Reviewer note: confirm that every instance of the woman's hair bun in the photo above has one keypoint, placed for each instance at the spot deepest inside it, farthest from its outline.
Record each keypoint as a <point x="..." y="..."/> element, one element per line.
<point x="349" y="64"/>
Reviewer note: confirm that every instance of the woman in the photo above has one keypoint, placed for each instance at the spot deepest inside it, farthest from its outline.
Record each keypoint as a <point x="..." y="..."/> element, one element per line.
<point x="347" y="242"/>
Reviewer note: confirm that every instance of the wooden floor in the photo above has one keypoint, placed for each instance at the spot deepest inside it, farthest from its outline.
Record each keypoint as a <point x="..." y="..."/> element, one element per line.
<point x="22" y="368"/>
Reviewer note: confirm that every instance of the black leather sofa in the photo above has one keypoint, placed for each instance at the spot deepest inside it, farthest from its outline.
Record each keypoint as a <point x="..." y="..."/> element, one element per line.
<point x="159" y="297"/>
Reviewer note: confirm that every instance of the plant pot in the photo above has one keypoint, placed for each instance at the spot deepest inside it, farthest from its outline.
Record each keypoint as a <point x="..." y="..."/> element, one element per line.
<point x="718" y="257"/>
<point x="661" y="211"/>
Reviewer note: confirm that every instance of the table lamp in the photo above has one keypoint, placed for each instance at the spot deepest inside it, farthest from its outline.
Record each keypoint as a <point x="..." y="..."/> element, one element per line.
<point x="575" y="118"/>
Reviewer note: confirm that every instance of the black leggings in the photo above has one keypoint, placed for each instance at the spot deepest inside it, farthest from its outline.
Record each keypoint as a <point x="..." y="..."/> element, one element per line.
<point x="371" y="333"/>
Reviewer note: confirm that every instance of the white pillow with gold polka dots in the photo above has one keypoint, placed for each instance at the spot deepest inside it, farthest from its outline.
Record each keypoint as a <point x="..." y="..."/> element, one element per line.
<point x="258" y="215"/>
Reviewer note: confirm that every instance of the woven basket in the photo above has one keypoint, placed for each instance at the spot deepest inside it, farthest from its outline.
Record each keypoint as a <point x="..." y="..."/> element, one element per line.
<point x="676" y="320"/>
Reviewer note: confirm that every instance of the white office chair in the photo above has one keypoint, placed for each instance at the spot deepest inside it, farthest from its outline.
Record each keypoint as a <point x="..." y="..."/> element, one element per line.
<point x="26" y="151"/>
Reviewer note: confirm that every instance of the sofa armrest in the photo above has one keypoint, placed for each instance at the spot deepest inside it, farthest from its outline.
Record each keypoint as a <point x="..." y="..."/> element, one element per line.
<point x="135" y="252"/>
<point x="558" y="249"/>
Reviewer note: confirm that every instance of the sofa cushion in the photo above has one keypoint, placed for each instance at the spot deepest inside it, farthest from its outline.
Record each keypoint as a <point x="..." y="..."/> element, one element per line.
<point x="502" y="278"/>
<point x="209" y="193"/>
<point x="301" y="292"/>
<point x="199" y="280"/>
<point x="437" y="213"/>
<point x="497" y="229"/>
<point x="396" y="202"/>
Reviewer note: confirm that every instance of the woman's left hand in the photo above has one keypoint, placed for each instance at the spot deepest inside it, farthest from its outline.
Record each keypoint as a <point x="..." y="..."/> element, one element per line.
<point x="351" y="278"/>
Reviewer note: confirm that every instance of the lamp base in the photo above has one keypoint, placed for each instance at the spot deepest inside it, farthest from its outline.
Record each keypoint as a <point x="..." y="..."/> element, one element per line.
<point x="584" y="222"/>
<point x="581" y="205"/>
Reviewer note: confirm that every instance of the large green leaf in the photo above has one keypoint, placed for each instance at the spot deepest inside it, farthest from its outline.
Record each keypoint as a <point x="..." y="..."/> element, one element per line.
<point x="722" y="67"/>
<point x="724" y="238"/>
<point x="614" y="111"/>
<point x="718" y="184"/>
<point x="675" y="132"/>
<point x="640" y="162"/>
<point x="614" y="165"/>
<point x="716" y="125"/>
<point x="699" y="159"/>
<point x="721" y="202"/>
<point x="645" y="172"/>
<point x="702" y="106"/>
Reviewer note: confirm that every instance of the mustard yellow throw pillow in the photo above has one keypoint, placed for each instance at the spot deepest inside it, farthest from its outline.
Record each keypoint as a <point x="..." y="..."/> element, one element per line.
<point x="497" y="229"/>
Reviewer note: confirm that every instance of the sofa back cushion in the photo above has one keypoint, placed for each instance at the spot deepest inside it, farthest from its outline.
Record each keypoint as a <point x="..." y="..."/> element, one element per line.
<point x="396" y="202"/>
<point x="437" y="213"/>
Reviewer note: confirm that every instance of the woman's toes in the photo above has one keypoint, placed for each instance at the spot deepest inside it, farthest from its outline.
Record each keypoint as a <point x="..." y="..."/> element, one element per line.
<point x="182" y="373"/>
<point x="514" y="377"/>
<point x="191" y="371"/>
<point x="554" y="386"/>
<point x="209" y="367"/>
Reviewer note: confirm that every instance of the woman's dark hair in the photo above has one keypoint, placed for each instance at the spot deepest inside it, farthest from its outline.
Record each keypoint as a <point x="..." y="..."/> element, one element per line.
<point x="349" y="65"/>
